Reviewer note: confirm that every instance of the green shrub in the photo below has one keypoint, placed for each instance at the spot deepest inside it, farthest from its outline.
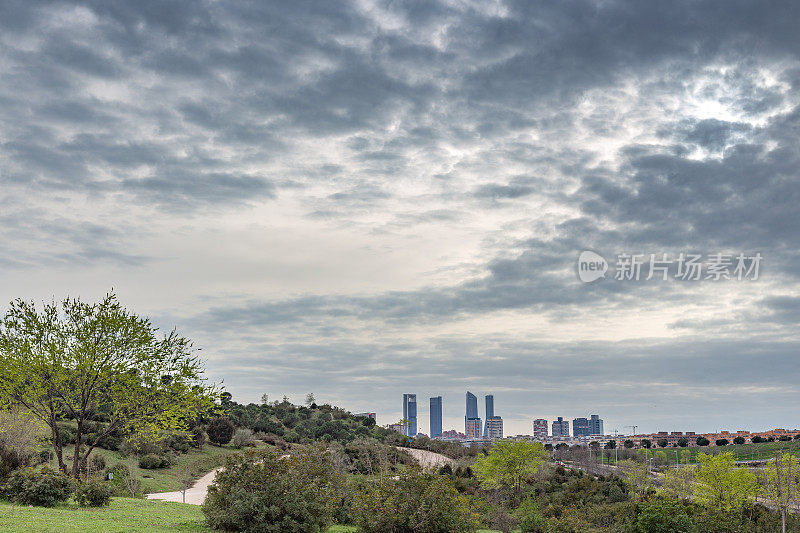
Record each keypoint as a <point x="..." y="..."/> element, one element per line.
<point x="44" y="488"/>
<point x="416" y="501"/>
<point x="94" y="493"/>
<point x="220" y="430"/>
<point x="260" y="491"/>
<point x="530" y="517"/>
<point x="661" y="515"/>
<point x="152" y="461"/>
<point x="243" y="438"/>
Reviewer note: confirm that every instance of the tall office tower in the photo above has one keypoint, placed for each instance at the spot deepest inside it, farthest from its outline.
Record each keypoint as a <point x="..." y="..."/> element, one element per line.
<point x="472" y="428"/>
<point x="472" y="423"/>
<point x="560" y="427"/>
<point x="540" y="429"/>
<point x="436" y="416"/>
<point x="410" y="414"/>
<point x="596" y="425"/>
<point x="494" y="425"/>
<point x="489" y="412"/>
<point x="580" y="427"/>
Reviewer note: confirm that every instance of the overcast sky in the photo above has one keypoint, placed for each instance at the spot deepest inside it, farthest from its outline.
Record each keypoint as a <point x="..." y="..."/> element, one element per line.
<point x="365" y="199"/>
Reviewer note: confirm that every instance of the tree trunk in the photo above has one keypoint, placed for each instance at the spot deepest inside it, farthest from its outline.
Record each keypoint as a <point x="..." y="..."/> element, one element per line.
<point x="76" y="458"/>
<point x="783" y="520"/>
<point x="58" y="447"/>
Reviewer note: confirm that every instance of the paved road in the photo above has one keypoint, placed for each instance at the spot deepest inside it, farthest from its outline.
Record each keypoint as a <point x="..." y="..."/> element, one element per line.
<point x="195" y="495"/>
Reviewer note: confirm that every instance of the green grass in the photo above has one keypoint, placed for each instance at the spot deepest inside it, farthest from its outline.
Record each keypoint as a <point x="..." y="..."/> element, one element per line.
<point x="166" y="479"/>
<point x="124" y="514"/>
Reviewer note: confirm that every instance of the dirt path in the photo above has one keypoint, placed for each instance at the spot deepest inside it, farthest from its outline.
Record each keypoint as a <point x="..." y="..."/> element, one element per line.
<point x="194" y="495"/>
<point x="428" y="459"/>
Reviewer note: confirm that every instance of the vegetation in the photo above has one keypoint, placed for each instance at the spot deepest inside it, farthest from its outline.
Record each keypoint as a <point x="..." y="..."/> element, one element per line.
<point x="721" y="485"/>
<point x="416" y="501"/>
<point x="268" y="493"/>
<point x="220" y="430"/>
<point x="45" y="487"/>
<point x="94" y="493"/>
<point x="97" y="361"/>
<point x="508" y="464"/>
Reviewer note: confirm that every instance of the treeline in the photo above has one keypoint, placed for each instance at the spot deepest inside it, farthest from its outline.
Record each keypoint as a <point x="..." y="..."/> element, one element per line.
<point x="304" y="424"/>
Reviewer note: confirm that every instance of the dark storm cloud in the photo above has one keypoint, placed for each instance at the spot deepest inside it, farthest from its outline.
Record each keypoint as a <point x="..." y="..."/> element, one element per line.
<point x="562" y="125"/>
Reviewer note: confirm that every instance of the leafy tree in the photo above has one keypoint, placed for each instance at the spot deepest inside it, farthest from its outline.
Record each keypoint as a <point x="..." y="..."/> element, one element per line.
<point x="663" y="443"/>
<point x="635" y="475"/>
<point x="310" y="400"/>
<point x="702" y="441"/>
<point x="797" y="436"/>
<point x="721" y="442"/>
<point x="678" y="483"/>
<point x="646" y="443"/>
<point x="683" y="442"/>
<point x="220" y="430"/>
<point x="628" y="444"/>
<point x="739" y="440"/>
<point x="757" y="439"/>
<point x="610" y="445"/>
<point x="77" y="359"/>
<point x="661" y="515"/>
<point x="721" y="485"/>
<point x="509" y="464"/>
<point x="781" y="484"/>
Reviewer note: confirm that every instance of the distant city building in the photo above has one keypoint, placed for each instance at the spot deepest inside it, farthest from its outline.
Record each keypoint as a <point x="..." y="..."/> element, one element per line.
<point x="453" y="434"/>
<point x="580" y="427"/>
<point x="366" y="415"/>
<point x="540" y="429"/>
<point x="473" y="428"/>
<point x="596" y="425"/>
<point x="494" y="427"/>
<point x="396" y="427"/>
<point x="489" y="412"/>
<point x="436" y="416"/>
<point x="409" y="414"/>
<point x="472" y="422"/>
<point x="560" y="427"/>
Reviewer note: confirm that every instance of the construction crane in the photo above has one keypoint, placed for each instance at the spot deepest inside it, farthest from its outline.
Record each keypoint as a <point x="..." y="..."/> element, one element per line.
<point x="634" y="429"/>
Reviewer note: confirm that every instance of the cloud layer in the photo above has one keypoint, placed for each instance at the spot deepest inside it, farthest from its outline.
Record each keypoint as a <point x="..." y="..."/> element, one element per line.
<point x="362" y="199"/>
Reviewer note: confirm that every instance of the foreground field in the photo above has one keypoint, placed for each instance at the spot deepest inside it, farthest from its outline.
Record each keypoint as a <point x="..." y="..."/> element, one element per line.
<point x="124" y="514"/>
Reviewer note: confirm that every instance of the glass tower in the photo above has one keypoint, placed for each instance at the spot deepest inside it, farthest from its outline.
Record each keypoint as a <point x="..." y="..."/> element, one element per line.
<point x="489" y="412"/>
<point x="436" y="416"/>
<point x="409" y="414"/>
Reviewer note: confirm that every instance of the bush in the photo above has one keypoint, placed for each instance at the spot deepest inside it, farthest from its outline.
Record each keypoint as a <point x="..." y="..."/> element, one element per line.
<point x="98" y="463"/>
<point x="44" y="488"/>
<point x="661" y="515"/>
<point x="152" y="461"/>
<point x="530" y="517"/>
<point x="220" y="430"/>
<point x="260" y="491"/>
<point x="243" y="437"/>
<point x="95" y="493"/>
<point x="414" y="502"/>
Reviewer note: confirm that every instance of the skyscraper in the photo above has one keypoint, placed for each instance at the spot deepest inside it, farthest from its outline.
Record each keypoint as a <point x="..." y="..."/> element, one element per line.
<point x="436" y="416"/>
<point x="472" y="422"/>
<point x="580" y="427"/>
<point x="489" y="413"/>
<point x="409" y="414"/>
<point x="540" y="429"/>
<point x="560" y="427"/>
<point x="494" y="427"/>
<point x="596" y="425"/>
